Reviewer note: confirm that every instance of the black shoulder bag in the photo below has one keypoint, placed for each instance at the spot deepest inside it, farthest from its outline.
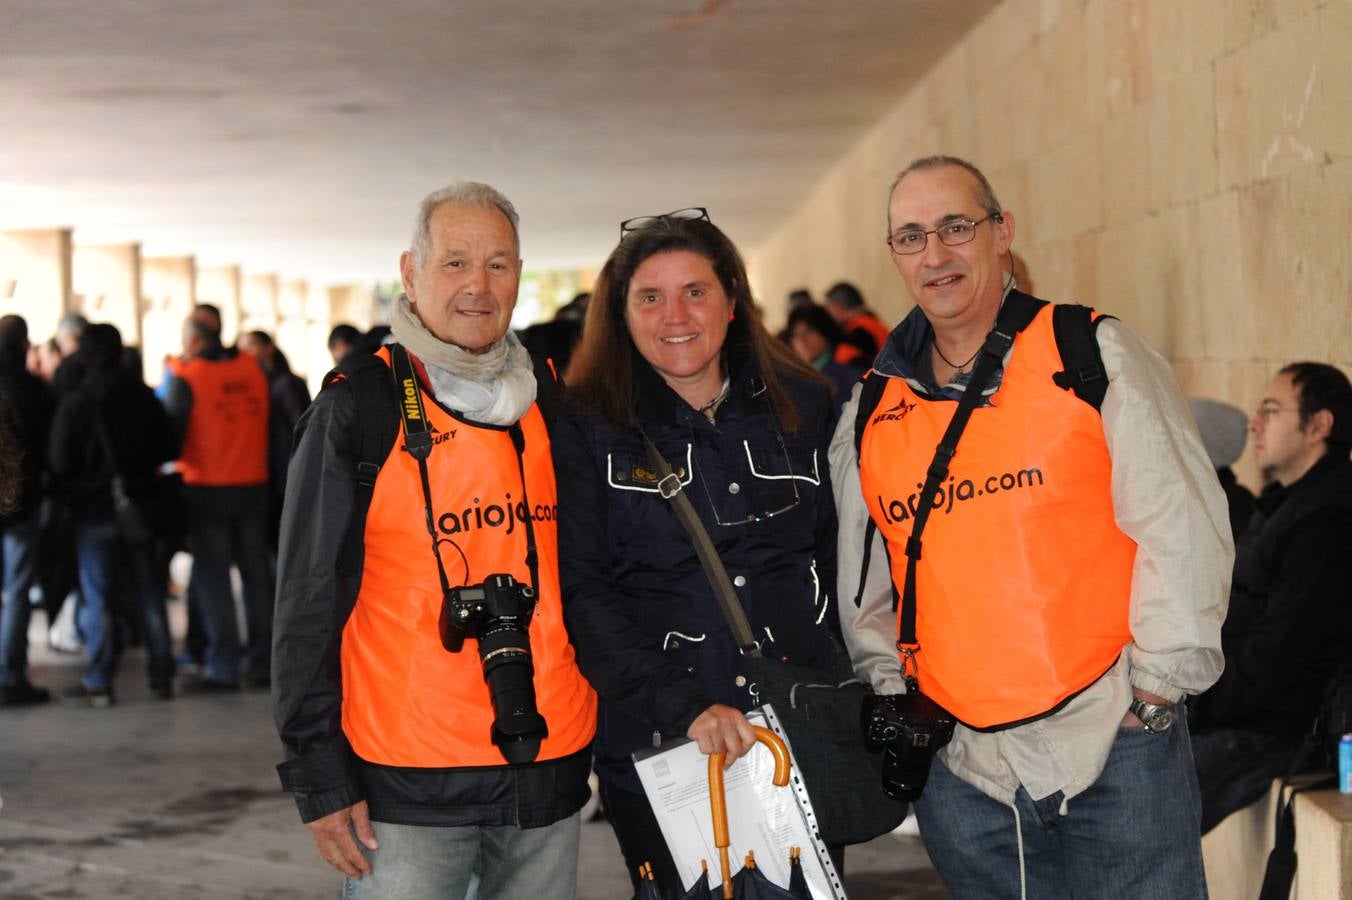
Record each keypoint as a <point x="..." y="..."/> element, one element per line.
<point x="820" y="708"/>
<point x="132" y="520"/>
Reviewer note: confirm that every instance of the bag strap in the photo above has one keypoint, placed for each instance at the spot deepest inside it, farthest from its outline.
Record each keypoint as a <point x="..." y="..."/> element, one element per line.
<point x="669" y="486"/>
<point x="117" y="485"/>
<point x="1018" y="310"/>
<point x="1281" y="863"/>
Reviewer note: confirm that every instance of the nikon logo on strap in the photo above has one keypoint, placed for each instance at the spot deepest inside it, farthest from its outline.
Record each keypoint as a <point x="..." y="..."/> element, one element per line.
<point x="411" y="410"/>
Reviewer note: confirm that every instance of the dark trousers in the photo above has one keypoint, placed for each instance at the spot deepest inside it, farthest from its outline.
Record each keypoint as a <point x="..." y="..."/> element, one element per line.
<point x="1236" y="768"/>
<point x="640" y="837"/>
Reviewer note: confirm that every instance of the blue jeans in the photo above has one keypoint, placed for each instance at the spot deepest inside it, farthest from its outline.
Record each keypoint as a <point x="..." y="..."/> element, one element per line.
<point x="19" y="546"/>
<point x="216" y="542"/>
<point x="441" y="862"/>
<point x="113" y="576"/>
<point x="98" y="548"/>
<point x="1134" y="833"/>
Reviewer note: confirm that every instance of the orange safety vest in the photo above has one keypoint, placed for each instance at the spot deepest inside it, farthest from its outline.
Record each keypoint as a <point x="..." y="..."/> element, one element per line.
<point x="1024" y="584"/>
<point x="226" y="443"/>
<point x="875" y="326"/>
<point x="848" y="353"/>
<point x="407" y="701"/>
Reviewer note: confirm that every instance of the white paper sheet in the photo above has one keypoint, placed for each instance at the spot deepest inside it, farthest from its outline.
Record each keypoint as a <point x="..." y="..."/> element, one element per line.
<point x="762" y="818"/>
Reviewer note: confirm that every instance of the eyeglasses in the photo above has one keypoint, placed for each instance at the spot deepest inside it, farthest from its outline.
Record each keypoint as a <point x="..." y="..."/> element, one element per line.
<point x="913" y="240"/>
<point x="692" y="213"/>
<point x="768" y="486"/>
<point x="1267" y="411"/>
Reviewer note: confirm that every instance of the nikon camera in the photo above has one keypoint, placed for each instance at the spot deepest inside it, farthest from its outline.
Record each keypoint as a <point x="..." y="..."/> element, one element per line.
<point x="908" y="729"/>
<point x="498" y="613"/>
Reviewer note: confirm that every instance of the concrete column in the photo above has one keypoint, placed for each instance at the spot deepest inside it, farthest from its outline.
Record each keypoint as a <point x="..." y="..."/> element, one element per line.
<point x="258" y="304"/>
<point x="35" y="278"/>
<point x="292" y="332"/>
<point x="107" y="278"/>
<point x="351" y="303"/>
<point x="222" y="286"/>
<point x="169" y="285"/>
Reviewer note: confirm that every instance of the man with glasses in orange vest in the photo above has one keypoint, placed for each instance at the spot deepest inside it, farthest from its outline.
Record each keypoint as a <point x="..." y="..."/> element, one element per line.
<point x="1073" y="576"/>
<point x="436" y="726"/>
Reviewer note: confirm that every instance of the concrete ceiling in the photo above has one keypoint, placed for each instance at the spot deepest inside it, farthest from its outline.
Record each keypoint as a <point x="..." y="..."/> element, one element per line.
<point x="297" y="136"/>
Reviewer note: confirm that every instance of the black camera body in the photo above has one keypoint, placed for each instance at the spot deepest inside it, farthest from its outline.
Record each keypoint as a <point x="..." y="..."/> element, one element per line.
<point x="497" y="613"/>
<point x="907" y="729"/>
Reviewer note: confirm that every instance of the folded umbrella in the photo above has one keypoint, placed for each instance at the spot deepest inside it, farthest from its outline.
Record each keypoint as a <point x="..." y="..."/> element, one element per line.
<point x="751" y="880"/>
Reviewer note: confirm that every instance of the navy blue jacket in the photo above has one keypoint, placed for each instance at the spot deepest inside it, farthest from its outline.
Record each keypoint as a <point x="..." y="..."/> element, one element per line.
<point x="647" y="627"/>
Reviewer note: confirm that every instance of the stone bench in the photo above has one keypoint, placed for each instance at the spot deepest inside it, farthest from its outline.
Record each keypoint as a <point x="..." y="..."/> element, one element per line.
<point x="1235" y="852"/>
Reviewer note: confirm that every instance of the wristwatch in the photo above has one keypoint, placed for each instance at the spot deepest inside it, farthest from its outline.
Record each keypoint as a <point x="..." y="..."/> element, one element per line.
<point x="1157" y="717"/>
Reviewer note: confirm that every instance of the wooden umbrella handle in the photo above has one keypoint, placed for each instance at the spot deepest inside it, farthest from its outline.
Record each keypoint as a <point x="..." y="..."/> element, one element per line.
<point x="718" y="798"/>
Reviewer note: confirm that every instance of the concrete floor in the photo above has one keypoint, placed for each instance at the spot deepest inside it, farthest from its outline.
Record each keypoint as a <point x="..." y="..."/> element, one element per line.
<point x="179" y="799"/>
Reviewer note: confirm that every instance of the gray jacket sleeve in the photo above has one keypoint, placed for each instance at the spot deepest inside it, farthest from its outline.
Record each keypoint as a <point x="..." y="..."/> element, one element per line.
<point x="870" y="629"/>
<point x="1167" y="499"/>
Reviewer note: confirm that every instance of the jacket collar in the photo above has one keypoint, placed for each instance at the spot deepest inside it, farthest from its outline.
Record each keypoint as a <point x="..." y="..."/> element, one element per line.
<point x="656" y="403"/>
<point x="906" y="355"/>
<point x="1275" y="494"/>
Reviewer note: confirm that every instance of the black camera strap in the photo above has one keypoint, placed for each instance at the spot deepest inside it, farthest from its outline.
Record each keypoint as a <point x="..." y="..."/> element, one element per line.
<point x="669" y="486"/>
<point x="532" y="558"/>
<point x="418" y="439"/>
<point x="1015" y="315"/>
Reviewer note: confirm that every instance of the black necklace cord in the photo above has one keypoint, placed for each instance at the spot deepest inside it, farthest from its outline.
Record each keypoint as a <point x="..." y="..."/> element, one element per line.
<point x="956" y="366"/>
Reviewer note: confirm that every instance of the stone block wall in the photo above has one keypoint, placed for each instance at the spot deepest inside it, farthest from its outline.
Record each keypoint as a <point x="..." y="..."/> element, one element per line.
<point x="1186" y="167"/>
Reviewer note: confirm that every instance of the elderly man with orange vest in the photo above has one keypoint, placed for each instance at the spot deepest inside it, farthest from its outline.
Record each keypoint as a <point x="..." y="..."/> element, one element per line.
<point x="436" y="725"/>
<point x="218" y="401"/>
<point x="1071" y="583"/>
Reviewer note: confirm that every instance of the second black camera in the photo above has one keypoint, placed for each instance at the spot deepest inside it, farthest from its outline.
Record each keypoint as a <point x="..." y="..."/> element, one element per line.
<point x="907" y="729"/>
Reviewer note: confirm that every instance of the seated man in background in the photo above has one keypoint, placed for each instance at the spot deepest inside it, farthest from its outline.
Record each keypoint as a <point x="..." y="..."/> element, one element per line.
<point x="1290" y="621"/>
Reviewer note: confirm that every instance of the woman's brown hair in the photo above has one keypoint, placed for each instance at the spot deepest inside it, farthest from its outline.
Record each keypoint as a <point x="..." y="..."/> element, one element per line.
<point x="601" y="374"/>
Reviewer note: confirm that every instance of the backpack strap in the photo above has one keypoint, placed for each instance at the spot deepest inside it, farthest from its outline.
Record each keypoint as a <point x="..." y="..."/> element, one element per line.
<point x="376" y="426"/>
<point x="869" y="396"/>
<point x="1077" y="342"/>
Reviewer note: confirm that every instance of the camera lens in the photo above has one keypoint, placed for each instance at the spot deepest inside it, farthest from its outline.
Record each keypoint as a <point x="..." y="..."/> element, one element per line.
<point x="518" y="727"/>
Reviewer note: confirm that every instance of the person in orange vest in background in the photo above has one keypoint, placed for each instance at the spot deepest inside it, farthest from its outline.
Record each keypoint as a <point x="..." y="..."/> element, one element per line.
<point x="1066" y="598"/>
<point x="435" y="721"/>
<point x="863" y="329"/>
<point x="217" y="400"/>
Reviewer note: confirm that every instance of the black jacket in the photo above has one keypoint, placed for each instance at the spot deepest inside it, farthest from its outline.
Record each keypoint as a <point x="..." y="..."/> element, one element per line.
<point x="26" y="407"/>
<point x="313" y="605"/>
<point x="1290" y="620"/>
<point x="138" y="432"/>
<point x="648" y="630"/>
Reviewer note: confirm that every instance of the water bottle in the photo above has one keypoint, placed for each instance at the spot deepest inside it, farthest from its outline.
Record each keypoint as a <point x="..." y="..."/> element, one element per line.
<point x="1345" y="764"/>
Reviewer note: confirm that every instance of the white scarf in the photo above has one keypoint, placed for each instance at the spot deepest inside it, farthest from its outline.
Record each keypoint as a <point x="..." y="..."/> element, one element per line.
<point x="495" y="387"/>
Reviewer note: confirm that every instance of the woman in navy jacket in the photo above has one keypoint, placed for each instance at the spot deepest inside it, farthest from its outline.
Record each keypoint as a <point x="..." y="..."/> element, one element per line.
<point x="672" y="347"/>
